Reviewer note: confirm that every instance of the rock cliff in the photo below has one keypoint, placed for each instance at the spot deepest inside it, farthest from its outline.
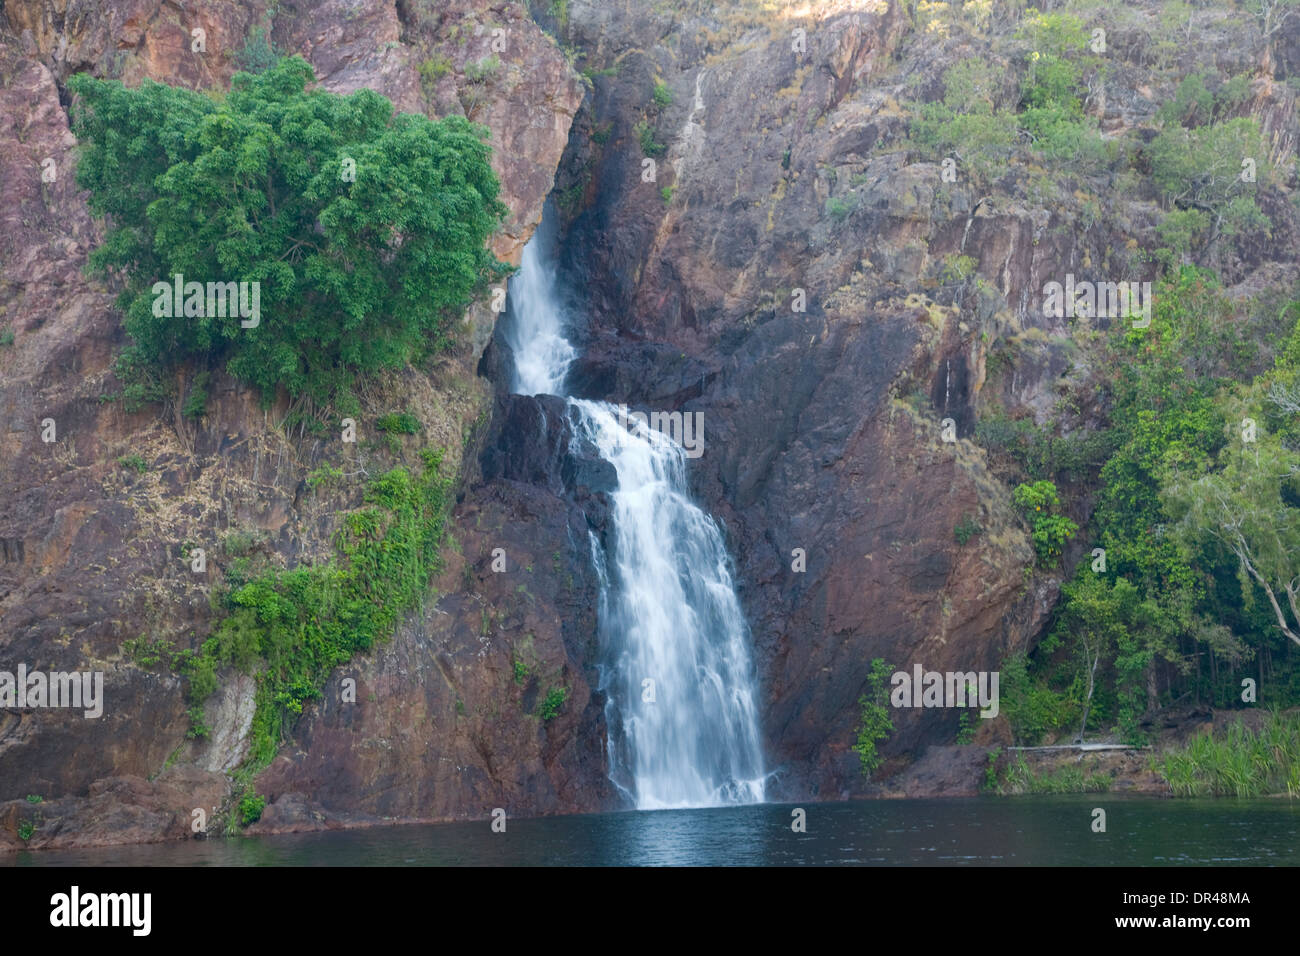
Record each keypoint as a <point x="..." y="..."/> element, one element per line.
<point x="792" y="269"/>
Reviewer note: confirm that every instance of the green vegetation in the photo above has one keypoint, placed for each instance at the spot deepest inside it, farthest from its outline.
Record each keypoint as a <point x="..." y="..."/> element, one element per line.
<point x="1020" y="778"/>
<point x="1198" y="515"/>
<point x="965" y="732"/>
<point x="6" y="337"/>
<point x="196" y="403"/>
<point x="838" y="208"/>
<point x="291" y="628"/>
<point x="521" y="670"/>
<point x="258" y="53"/>
<point x="134" y="462"/>
<point x="242" y="541"/>
<point x="555" y="698"/>
<point x="147" y="653"/>
<point x="991" y="770"/>
<point x="667" y="194"/>
<point x="968" y="123"/>
<point x="433" y="69"/>
<point x="1049" y="530"/>
<point x="1242" y="763"/>
<point x="966" y="529"/>
<point x="365" y="230"/>
<point x="649" y="145"/>
<point x="979" y="126"/>
<point x="875" y="724"/>
<point x="662" y="96"/>
<point x="25" y="830"/>
<point x="34" y="798"/>
<point x="403" y="423"/>
<point x="591" y="73"/>
<point x="250" y="808"/>
<point x="1207" y="168"/>
<point x="480" y="71"/>
<point x="324" y="476"/>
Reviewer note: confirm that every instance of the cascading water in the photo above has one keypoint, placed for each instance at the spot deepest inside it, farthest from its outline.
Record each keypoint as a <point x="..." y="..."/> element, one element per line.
<point x="679" y="684"/>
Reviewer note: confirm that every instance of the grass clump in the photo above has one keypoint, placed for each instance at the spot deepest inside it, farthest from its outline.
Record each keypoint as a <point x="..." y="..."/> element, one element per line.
<point x="1241" y="763"/>
<point x="1020" y="778"/>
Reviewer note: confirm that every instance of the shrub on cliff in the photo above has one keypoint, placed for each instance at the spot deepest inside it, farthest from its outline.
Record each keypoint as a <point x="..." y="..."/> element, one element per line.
<point x="358" y="233"/>
<point x="1039" y="503"/>
<point x="875" y="724"/>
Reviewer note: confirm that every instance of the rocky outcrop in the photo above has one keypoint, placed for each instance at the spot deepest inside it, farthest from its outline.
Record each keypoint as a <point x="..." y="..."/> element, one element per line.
<point x="787" y="266"/>
<point x="447" y="722"/>
<point x="94" y="553"/>
<point x="826" y="299"/>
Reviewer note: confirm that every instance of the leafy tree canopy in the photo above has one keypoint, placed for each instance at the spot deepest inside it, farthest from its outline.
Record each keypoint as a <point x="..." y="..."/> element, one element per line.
<point x="366" y="229"/>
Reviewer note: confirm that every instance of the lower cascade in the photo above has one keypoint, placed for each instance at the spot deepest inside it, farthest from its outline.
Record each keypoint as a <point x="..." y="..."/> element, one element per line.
<point x="676" y="670"/>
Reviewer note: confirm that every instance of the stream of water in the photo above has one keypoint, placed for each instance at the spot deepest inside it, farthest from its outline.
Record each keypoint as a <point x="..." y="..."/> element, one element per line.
<point x="676" y="669"/>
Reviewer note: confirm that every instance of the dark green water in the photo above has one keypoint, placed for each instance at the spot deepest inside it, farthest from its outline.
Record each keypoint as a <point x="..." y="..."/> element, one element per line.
<point x="1021" y="831"/>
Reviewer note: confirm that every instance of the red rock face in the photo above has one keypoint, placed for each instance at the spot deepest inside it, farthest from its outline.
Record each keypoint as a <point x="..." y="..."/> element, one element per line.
<point x="822" y="426"/>
<point x="91" y="553"/>
<point x="824" y="348"/>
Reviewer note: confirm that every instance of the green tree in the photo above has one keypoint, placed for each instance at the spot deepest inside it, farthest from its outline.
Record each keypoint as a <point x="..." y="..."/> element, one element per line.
<point x="1247" y="503"/>
<point x="365" y="229"/>
<point x="967" y="123"/>
<point x="1208" y="169"/>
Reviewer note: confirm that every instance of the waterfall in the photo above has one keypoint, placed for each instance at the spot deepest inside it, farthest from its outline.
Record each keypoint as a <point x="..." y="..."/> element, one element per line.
<point x="681" y="700"/>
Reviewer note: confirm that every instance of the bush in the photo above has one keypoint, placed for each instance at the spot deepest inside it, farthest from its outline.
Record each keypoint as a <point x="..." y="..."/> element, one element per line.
<point x="965" y="731"/>
<point x="1038" y="502"/>
<point x="134" y="463"/>
<point x="663" y="96"/>
<point x="967" y="122"/>
<point x="1031" y="708"/>
<point x="258" y="54"/>
<point x="966" y="529"/>
<point x="197" y="402"/>
<point x="292" y="628"/>
<point x="251" y="807"/>
<point x="838" y="209"/>
<point x="875" y="724"/>
<point x="324" y="475"/>
<point x="356" y="272"/>
<point x="1200" y="169"/>
<point x="433" y="69"/>
<point x="403" y="423"/>
<point x="482" y="70"/>
<point x="555" y="698"/>
<point x="649" y="145"/>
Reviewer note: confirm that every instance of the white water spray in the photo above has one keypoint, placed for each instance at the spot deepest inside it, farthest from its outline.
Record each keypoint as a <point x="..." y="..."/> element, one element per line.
<point x="681" y="701"/>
